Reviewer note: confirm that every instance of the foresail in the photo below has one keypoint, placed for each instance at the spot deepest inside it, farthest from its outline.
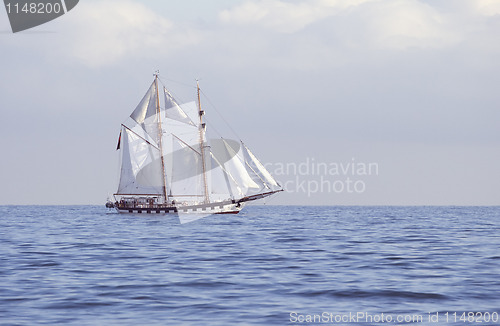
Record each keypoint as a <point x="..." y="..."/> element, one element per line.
<point x="222" y="184"/>
<point x="234" y="165"/>
<point x="255" y="166"/>
<point x="242" y="173"/>
<point x="141" y="172"/>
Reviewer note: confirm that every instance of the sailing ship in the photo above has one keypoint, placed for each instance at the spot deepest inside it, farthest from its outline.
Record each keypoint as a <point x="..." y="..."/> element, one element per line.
<point x="168" y="165"/>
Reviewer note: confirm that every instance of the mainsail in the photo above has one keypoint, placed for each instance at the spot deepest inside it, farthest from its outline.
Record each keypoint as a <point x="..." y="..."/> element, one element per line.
<point x="141" y="173"/>
<point x="166" y="157"/>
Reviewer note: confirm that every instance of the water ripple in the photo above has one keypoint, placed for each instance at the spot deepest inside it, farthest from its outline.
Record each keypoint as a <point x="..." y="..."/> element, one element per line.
<point x="79" y="265"/>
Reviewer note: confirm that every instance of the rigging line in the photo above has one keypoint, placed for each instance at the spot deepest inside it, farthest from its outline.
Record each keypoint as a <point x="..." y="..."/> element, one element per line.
<point x="175" y="98"/>
<point x="269" y="199"/>
<point x="171" y="93"/>
<point x="178" y="82"/>
<point x="222" y="117"/>
<point x="212" y="127"/>
<point x="124" y="126"/>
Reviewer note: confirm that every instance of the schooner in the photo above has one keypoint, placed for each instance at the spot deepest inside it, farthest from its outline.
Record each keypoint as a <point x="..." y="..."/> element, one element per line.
<point x="168" y="165"/>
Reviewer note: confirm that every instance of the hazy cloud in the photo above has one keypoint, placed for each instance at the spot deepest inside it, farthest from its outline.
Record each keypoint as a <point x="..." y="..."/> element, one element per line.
<point x="488" y="7"/>
<point x="321" y="29"/>
<point x="104" y="32"/>
<point x="284" y="16"/>
<point x="388" y="23"/>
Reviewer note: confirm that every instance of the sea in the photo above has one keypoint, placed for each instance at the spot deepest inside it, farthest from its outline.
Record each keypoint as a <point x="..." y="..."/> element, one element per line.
<point x="268" y="265"/>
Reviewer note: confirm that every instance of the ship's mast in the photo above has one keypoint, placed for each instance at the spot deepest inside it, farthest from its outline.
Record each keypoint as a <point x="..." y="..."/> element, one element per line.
<point x="202" y="145"/>
<point x="160" y="136"/>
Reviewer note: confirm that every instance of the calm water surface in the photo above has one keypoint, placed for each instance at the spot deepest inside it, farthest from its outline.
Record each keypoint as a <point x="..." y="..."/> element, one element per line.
<point x="269" y="265"/>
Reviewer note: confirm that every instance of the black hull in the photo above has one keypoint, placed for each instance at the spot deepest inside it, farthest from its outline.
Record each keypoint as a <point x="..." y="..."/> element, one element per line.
<point x="225" y="207"/>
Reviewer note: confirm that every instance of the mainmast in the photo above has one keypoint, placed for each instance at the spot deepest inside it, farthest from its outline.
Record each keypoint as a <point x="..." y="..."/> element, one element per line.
<point x="160" y="136"/>
<point x="202" y="143"/>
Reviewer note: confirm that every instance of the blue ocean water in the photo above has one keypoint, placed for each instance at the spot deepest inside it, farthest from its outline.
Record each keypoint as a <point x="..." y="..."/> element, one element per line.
<point x="268" y="265"/>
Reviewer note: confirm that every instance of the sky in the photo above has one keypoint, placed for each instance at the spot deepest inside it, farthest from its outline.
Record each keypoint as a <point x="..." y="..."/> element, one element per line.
<point x="320" y="90"/>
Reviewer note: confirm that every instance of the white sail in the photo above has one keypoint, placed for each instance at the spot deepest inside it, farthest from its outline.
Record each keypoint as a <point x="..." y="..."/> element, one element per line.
<point x="236" y="168"/>
<point x="222" y="184"/>
<point x="174" y="111"/>
<point x="255" y="166"/>
<point x="141" y="172"/>
<point x="186" y="184"/>
<point x="178" y="135"/>
<point x="145" y="114"/>
<point x="189" y="133"/>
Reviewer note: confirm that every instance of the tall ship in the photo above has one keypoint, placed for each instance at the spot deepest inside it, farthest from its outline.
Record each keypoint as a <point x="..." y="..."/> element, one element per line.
<point x="169" y="166"/>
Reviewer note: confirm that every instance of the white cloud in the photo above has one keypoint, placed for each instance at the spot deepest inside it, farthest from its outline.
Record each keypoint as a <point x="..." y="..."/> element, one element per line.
<point x="382" y="23"/>
<point x="488" y="7"/>
<point x="302" y="33"/>
<point x="284" y="16"/>
<point x="401" y="24"/>
<point x="106" y="31"/>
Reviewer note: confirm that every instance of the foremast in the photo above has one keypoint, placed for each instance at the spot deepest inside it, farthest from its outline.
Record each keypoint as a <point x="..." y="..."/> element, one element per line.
<point x="160" y="136"/>
<point x="202" y="145"/>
